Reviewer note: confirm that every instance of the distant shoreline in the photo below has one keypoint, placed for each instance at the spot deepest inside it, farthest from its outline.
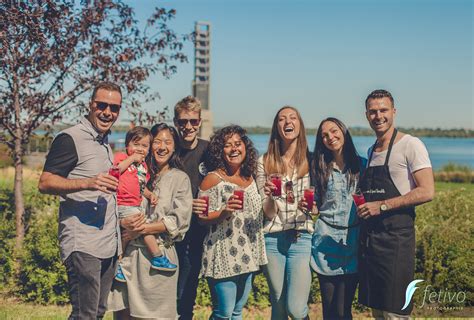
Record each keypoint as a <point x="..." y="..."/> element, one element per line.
<point x="355" y="131"/>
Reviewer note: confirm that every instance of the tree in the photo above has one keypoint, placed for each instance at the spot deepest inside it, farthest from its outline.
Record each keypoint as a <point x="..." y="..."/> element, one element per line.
<point x="54" y="51"/>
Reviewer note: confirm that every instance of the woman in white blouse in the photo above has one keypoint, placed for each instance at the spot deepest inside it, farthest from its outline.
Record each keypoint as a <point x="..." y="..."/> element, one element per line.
<point x="234" y="247"/>
<point x="287" y="229"/>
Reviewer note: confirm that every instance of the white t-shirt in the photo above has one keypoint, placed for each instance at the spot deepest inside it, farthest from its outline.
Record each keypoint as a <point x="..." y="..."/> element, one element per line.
<point x="408" y="155"/>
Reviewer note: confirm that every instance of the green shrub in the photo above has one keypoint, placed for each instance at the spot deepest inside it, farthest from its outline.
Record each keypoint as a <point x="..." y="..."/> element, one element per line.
<point x="260" y="295"/>
<point x="444" y="252"/>
<point x="7" y="243"/>
<point x="42" y="276"/>
<point x="453" y="172"/>
<point x="454" y="167"/>
<point x="203" y="297"/>
<point x="7" y="238"/>
<point x="5" y="157"/>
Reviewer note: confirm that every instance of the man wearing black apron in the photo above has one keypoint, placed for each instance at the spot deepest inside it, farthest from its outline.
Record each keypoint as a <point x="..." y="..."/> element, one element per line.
<point x="399" y="177"/>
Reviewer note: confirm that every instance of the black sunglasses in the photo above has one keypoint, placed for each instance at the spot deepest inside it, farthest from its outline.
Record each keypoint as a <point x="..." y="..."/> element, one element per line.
<point x="114" y="108"/>
<point x="184" y="122"/>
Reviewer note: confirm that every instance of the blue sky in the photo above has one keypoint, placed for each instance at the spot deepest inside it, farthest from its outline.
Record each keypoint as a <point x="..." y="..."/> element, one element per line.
<point x="324" y="57"/>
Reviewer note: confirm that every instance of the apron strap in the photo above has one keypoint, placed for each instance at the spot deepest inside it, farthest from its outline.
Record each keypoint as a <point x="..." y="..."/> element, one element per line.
<point x="392" y="139"/>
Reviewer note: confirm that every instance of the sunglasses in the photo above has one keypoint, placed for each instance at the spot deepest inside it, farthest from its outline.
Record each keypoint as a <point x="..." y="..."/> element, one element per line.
<point x="184" y="122"/>
<point x="290" y="196"/>
<point x="114" y="108"/>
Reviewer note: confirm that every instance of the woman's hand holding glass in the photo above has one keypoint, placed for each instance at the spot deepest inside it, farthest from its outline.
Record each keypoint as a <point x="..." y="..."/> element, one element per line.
<point x="232" y="205"/>
<point x="303" y="206"/>
<point x="268" y="189"/>
<point x="200" y="207"/>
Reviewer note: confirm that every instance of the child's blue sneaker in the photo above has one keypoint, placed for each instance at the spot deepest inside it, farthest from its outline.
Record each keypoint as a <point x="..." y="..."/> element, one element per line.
<point x="119" y="276"/>
<point x="163" y="264"/>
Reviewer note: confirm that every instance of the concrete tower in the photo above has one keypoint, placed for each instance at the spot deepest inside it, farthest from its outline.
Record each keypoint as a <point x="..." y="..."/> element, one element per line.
<point x="202" y="75"/>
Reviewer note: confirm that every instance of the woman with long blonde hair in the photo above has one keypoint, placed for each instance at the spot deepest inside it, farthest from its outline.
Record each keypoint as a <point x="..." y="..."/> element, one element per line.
<point x="282" y="177"/>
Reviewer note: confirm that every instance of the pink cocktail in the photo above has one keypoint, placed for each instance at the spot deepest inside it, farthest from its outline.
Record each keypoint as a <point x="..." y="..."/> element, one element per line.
<point x="276" y="180"/>
<point x="206" y="211"/>
<point x="358" y="198"/>
<point x="309" y="198"/>
<point x="239" y="194"/>
<point x="114" y="172"/>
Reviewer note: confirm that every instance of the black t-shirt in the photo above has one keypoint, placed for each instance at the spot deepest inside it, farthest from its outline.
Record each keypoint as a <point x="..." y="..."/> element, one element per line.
<point x="62" y="156"/>
<point x="193" y="163"/>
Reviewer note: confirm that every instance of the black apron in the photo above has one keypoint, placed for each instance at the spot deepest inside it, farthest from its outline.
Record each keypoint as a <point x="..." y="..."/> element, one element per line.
<point x="387" y="244"/>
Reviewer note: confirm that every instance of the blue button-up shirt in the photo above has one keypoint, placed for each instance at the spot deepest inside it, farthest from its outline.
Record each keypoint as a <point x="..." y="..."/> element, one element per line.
<point x="334" y="251"/>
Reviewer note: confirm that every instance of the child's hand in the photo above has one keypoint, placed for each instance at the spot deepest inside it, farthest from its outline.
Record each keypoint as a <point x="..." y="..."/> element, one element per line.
<point x="153" y="199"/>
<point x="137" y="157"/>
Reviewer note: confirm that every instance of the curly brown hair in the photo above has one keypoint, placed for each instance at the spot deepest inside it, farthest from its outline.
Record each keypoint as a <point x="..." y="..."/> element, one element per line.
<point x="215" y="159"/>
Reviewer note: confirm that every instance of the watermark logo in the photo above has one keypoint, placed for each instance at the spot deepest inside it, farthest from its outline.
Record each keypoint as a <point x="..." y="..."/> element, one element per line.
<point x="435" y="300"/>
<point x="411" y="288"/>
<point x="442" y="298"/>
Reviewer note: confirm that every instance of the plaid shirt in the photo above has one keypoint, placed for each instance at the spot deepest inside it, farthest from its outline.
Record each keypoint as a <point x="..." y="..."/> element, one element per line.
<point x="287" y="215"/>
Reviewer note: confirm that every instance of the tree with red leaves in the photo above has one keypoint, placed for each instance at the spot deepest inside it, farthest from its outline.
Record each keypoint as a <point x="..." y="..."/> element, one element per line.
<point x="54" y="51"/>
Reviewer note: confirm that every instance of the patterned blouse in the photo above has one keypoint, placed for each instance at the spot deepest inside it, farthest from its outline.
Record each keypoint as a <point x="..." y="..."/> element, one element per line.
<point x="235" y="245"/>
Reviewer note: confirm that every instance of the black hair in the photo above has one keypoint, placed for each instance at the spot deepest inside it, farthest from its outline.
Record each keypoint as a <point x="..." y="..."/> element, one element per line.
<point x="321" y="166"/>
<point x="137" y="133"/>
<point x="174" y="161"/>
<point x="379" y="94"/>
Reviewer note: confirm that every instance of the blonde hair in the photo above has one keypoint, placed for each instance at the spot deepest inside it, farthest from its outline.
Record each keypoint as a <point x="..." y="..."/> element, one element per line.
<point x="272" y="159"/>
<point x="188" y="103"/>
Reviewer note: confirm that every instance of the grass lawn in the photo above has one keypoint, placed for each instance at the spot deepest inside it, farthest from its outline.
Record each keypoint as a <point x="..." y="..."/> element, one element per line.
<point x="13" y="310"/>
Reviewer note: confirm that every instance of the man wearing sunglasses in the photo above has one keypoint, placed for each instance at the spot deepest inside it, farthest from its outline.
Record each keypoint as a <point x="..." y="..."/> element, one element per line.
<point x="187" y="119"/>
<point x="76" y="169"/>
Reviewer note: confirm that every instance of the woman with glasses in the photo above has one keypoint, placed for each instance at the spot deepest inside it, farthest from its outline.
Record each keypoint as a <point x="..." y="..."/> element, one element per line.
<point x="234" y="246"/>
<point x="151" y="293"/>
<point x="282" y="177"/>
<point x="335" y="172"/>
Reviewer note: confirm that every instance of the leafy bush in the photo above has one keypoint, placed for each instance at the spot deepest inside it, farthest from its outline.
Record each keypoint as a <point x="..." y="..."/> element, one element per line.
<point x="5" y="157"/>
<point x="453" y="172"/>
<point x="260" y="295"/>
<point x="444" y="252"/>
<point x="43" y="276"/>
<point x="454" y="167"/>
<point x="7" y="237"/>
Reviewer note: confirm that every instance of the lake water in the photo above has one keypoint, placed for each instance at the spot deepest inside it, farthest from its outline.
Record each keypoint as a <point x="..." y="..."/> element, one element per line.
<point x="441" y="150"/>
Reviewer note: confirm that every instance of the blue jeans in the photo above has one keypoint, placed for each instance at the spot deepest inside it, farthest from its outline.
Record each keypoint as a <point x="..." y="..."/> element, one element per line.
<point x="229" y="296"/>
<point x="288" y="273"/>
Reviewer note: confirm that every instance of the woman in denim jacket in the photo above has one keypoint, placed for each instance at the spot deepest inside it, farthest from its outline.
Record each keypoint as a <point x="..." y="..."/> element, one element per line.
<point x="335" y="171"/>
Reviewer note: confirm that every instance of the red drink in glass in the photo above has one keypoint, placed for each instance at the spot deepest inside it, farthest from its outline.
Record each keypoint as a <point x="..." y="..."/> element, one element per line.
<point x="239" y="194"/>
<point x="309" y="198"/>
<point x="358" y="198"/>
<point x="115" y="172"/>
<point x="276" y="180"/>
<point x="206" y="211"/>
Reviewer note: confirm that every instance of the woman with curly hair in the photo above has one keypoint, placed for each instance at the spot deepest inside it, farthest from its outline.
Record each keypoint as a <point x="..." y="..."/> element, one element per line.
<point x="282" y="177"/>
<point x="234" y="246"/>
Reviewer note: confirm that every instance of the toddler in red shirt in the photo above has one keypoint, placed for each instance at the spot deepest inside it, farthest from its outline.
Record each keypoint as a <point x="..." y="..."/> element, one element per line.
<point x="132" y="186"/>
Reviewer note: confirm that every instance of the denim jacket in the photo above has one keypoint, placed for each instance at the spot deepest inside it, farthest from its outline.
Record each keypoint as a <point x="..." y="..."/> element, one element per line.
<point x="334" y="250"/>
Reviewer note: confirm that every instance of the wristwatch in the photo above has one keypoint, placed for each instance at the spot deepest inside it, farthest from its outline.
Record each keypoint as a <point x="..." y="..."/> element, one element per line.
<point x="384" y="207"/>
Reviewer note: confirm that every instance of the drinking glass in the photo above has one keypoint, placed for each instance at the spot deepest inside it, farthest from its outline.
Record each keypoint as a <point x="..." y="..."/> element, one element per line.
<point x="276" y="179"/>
